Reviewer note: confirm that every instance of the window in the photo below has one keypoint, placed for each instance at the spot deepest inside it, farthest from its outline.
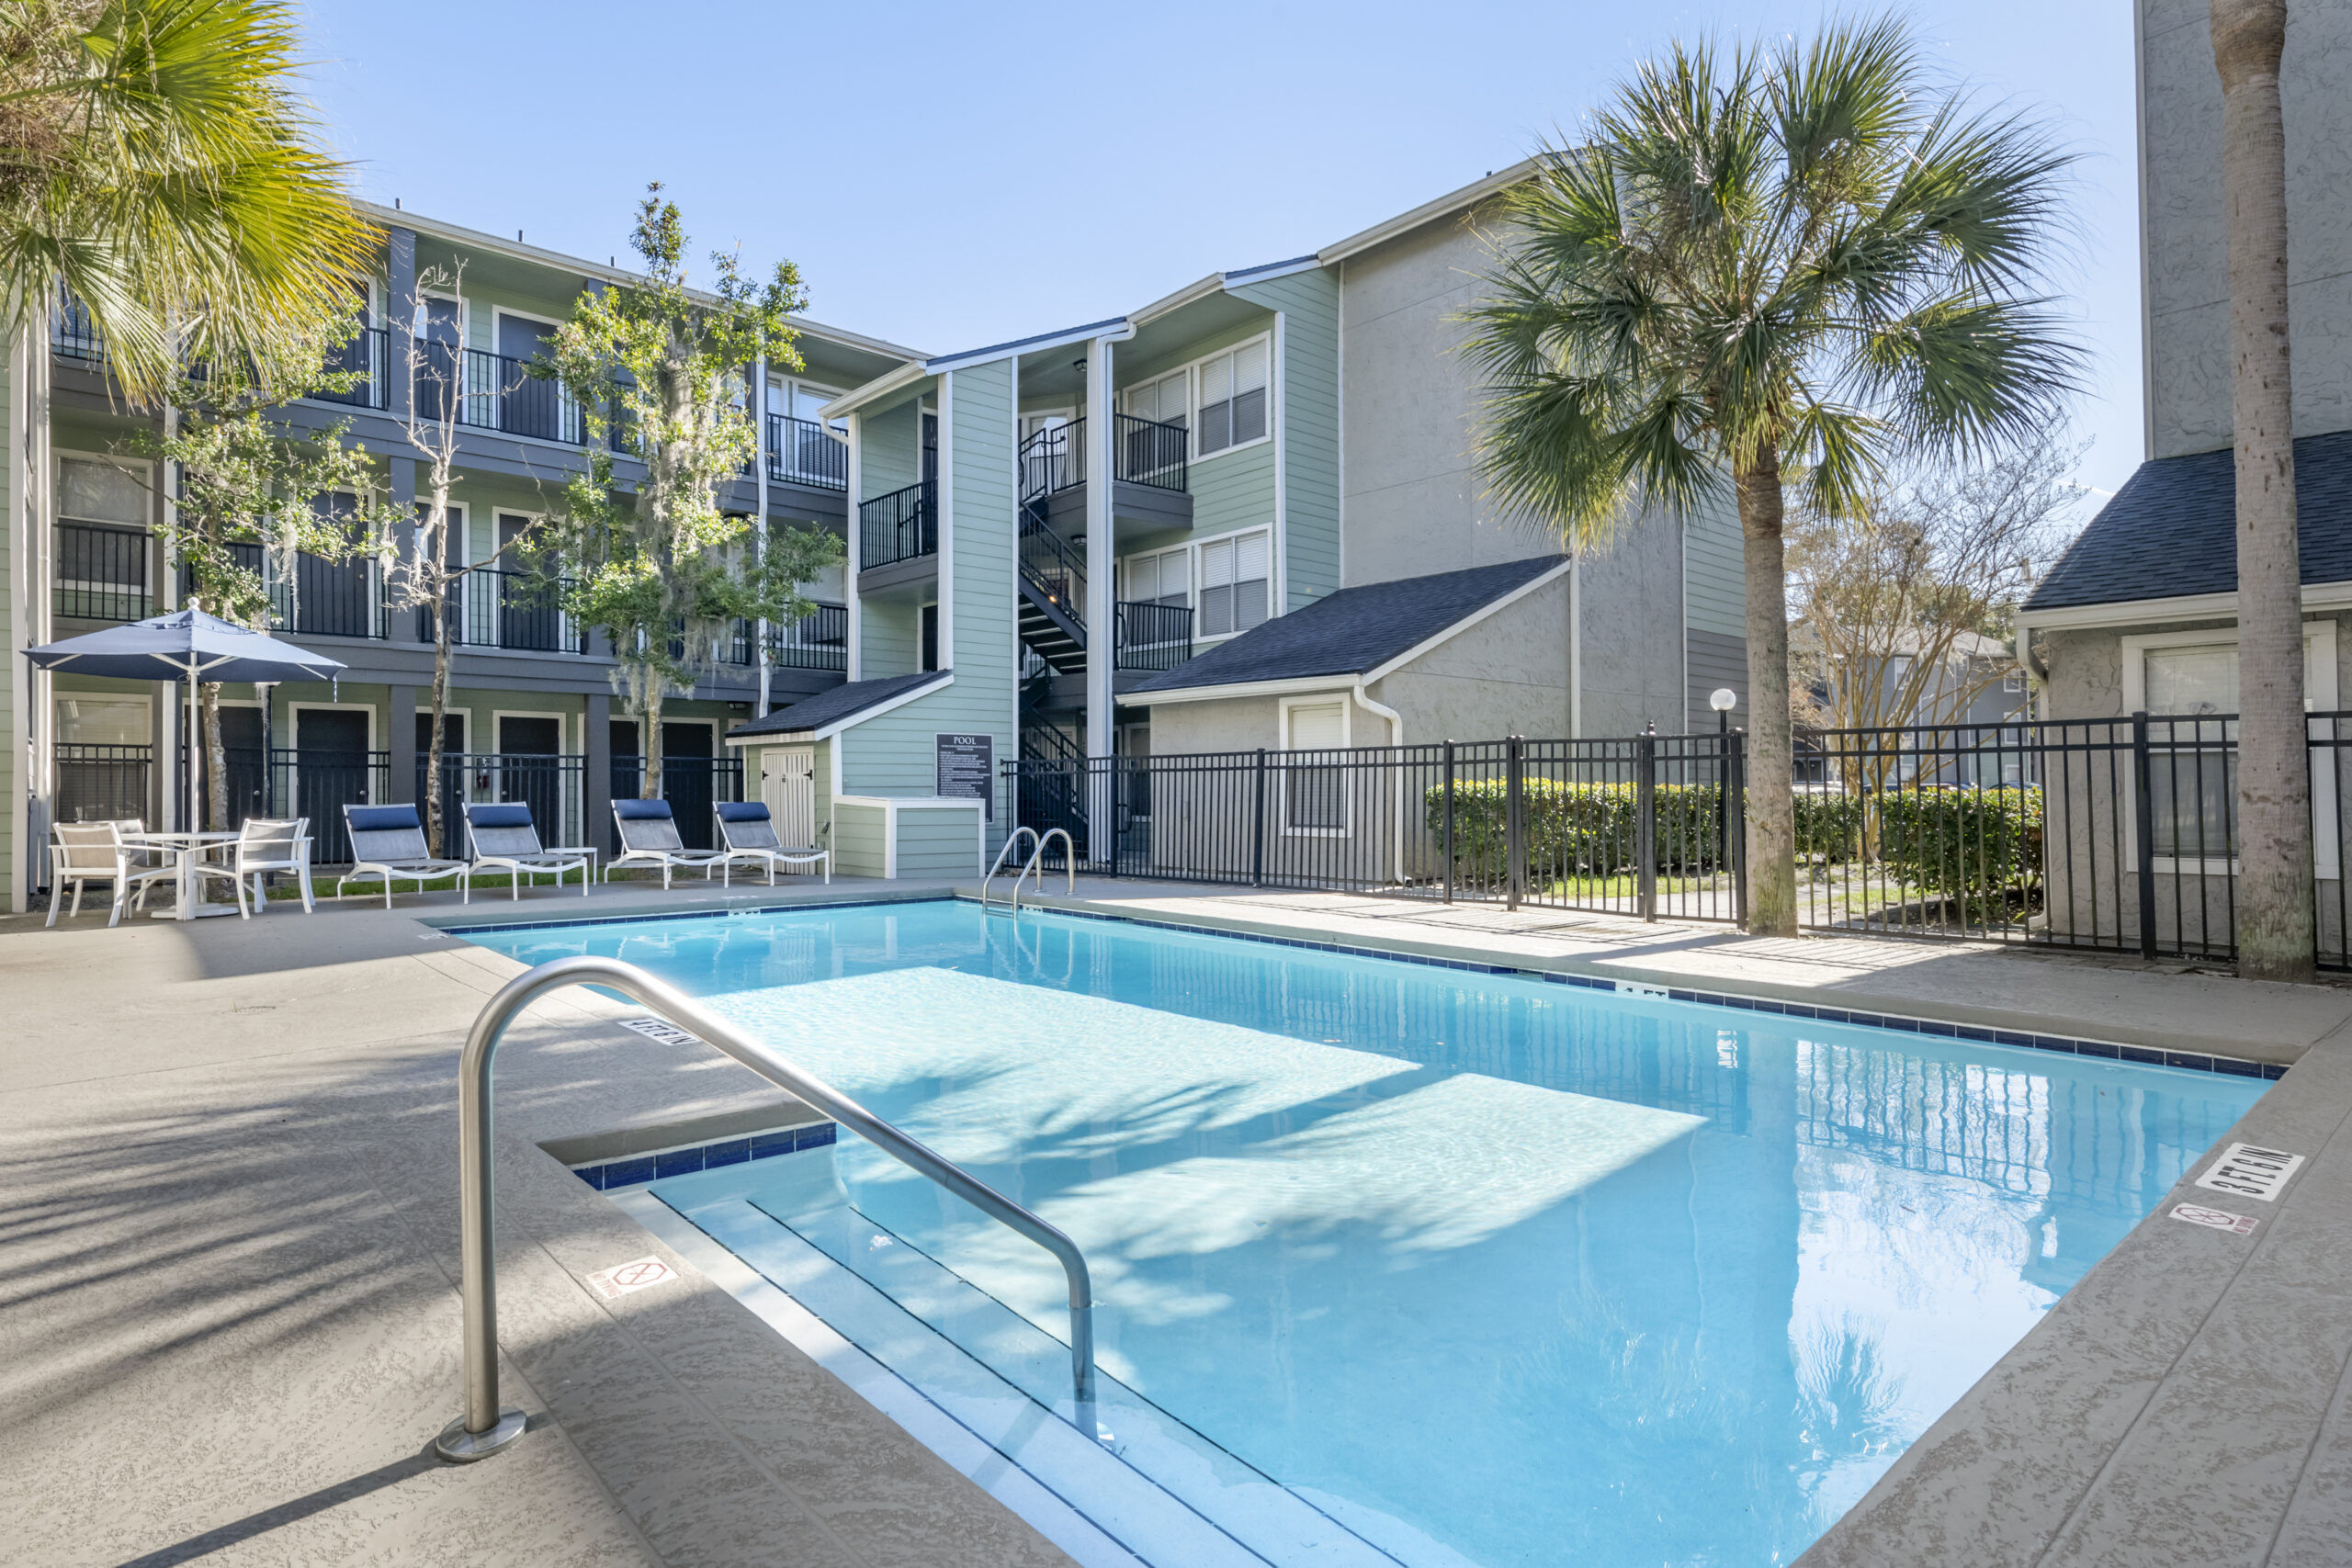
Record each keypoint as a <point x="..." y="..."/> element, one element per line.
<point x="1233" y="584"/>
<point x="1233" y="398"/>
<point x="89" y="490"/>
<point x="1162" y="401"/>
<point x="930" y="636"/>
<point x="1164" y="577"/>
<point x="1315" y="797"/>
<point x="2188" y="684"/>
<point x="2013" y="680"/>
<point x="102" y="559"/>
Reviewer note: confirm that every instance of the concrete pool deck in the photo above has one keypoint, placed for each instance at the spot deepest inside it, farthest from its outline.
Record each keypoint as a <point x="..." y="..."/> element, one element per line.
<point x="229" y="1322"/>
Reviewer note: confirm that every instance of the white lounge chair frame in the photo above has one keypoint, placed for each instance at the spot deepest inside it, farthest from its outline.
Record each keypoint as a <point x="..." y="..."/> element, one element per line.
<point x="653" y="841"/>
<point x="750" y="838"/>
<point x="514" y="846"/>
<point x="386" y="847"/>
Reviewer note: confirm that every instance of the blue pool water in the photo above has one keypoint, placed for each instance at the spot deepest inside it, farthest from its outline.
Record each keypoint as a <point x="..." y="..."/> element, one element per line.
<point x="1406" y="1264"/>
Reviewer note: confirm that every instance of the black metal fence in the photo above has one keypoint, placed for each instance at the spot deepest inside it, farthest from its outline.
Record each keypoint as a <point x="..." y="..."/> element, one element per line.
<point x="1143" y="452"/>
<point x="100" y="783"/>
<point x="284" y="783"/>
<point x="2114" y="834"/>
<point x="820" y="641"/>
<point x="801" y="451"/>
<point x="102" y="573"/>
<point x="553" y="787"/>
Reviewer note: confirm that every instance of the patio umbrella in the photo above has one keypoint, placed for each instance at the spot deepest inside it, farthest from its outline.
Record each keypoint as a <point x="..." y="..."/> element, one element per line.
<point x="186" y="645"/>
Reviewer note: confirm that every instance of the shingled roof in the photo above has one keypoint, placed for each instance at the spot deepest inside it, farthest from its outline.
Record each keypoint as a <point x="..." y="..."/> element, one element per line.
<point x="1353" y="631"/>
<point x="831" y="707"/>
<point x="2171" y="531"/>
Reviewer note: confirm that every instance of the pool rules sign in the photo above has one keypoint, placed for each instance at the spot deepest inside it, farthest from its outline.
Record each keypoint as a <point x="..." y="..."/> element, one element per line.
<point x="968" y="770"/>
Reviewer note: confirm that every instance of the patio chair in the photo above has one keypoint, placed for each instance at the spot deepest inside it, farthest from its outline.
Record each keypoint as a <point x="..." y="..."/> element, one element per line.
<point x="503" y="835"/>
<point x="649" y="835"/>
<point x="263" y="844"/>
<point x="748" y="834"/>
<point x="84" y="852"/>
<point x="388" y="842"/>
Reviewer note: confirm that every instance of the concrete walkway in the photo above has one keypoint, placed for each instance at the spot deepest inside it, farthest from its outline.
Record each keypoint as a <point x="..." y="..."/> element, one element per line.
<point x="228" y="1324"/>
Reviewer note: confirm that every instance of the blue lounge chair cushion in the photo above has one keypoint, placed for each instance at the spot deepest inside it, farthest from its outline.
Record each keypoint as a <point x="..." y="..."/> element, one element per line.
<point x="382" y="818"/>
<point x="641" y="810"/>
<point x="511" y="813"/>
<point x="742" y="811"/>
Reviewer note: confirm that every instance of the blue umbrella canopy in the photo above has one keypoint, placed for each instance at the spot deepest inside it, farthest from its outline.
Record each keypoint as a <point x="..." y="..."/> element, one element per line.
<point x="186" y="645"/>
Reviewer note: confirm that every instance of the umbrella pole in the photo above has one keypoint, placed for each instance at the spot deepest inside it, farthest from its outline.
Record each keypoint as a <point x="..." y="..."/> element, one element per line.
<point x="195" y="820"/>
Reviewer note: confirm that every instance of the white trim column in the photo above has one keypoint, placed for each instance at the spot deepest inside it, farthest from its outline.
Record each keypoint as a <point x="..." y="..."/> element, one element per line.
<point x="760" y="523"/>
<point x="1101" y="588"/>
<point x="945" y="492"/>
<point x="849" y="543"/>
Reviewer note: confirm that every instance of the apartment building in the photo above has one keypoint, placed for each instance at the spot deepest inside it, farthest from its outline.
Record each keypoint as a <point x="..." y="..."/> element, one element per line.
<point x="1244" y="514"/>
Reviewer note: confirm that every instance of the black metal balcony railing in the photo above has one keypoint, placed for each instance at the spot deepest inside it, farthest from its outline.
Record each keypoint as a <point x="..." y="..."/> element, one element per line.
<point x="819" y="642"/>
<point x="1153" y="635"/>
<point x="801" y="451"/>
<point x="368" y="359"/>
<point x="491" y="391"/>
<point x="898" y="526"/>
<point x="1052" y="567"/>
<point x="101" y="573"/>
<point x="1143" y="452"/>
<point x="72" y="334"/>
<point x="324" y="598"/>
<point x="518" y="610"/>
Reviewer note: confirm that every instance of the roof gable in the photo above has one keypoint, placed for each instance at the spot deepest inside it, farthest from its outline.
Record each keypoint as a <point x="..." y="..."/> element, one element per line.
<point x="842" y="703"/>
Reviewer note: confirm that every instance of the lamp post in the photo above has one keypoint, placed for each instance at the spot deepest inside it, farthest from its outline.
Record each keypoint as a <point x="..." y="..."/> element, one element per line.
<point x="1723" y="699"/>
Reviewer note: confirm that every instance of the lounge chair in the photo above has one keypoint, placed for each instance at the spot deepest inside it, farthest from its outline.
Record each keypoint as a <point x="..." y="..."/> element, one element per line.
<point x="388" y="843"/>
<point x="748" y="834"/>
<point x="504" y="836"/>
<point x="648" y="836"/>
<point x="263" y="845"/>
<point x="84" y="852"/>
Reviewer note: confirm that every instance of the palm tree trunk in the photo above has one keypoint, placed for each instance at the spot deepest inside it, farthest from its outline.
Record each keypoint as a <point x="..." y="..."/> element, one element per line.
<point x="1771" y="766"/>
<point x="2274" y="898"/>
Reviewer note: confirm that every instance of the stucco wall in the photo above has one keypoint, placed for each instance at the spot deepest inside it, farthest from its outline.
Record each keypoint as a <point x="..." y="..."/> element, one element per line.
<point x="1412" y="493"/>
<point x="1506" y="675"/>
<point x="1631" y="639"/>
<point x="2185" y="251"/>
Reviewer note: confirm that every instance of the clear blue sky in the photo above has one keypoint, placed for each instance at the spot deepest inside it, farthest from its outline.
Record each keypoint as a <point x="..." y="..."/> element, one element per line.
<point x="948" y="176"/>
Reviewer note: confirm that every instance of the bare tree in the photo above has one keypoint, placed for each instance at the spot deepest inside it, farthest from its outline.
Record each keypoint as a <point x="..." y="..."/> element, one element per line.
<point x="2274" y="888"/>
<point x="427" y="571"/>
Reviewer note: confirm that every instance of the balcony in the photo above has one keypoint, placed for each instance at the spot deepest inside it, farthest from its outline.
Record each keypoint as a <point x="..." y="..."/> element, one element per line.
<point x="101" y="573"/>
<point x="819" y="642"/>
<point x="521" y="610"/>
<point x="1152" y="474"/>
<point x="1152" y="637"/>
<point x="324" y="598"/>
<point x="900" y="526"/>
<point x="367" y="359"/>
<point x="802" y="452"/>
<point x="491" y="391"/>
<point x="72" y="336"/>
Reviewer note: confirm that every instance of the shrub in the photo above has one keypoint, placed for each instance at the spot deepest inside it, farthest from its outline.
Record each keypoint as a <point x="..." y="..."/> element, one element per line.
<point x="1583" y="829"/>
<point x="1975" y="845"/>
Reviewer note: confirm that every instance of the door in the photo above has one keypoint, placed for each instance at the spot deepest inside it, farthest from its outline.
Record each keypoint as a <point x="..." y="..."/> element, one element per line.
<point x="686" y="781"/>
<point x="330" y="772"/>
<point x="526" y="405"/>
<point x="789" y="785"/>
<point x="530" y="769"/>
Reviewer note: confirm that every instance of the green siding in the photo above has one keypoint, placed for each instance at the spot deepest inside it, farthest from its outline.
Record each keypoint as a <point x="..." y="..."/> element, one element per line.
<point x="857" y="840"/>
<point x="889" y="638"/>
<point x="937" y="844"/>
<point x="1309" y="414"/>
<point x="895" y="753"/>
<point x="1233" y="490"/>
<point x="1131" y="371"/>
<point x="889" y="451"/>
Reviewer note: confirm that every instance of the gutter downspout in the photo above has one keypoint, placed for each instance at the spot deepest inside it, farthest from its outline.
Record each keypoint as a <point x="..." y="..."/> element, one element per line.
<point x="1395" y="738"/>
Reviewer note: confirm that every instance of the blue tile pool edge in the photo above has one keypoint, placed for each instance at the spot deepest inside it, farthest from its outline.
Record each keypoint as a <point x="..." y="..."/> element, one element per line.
<point x="631" y="1171"/>
<point x="2110" y="1050"/>
<point x="2146" y="1055"/>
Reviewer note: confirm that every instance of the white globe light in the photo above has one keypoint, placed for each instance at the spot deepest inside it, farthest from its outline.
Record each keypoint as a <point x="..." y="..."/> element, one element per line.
<point x="1723" y="699"/>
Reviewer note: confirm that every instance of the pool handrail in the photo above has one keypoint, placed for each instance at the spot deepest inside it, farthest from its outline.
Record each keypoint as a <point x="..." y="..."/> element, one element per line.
<point x="1037" y="864"/>
<point x="1011" y="839"/>
<point x="484" y="1428"/>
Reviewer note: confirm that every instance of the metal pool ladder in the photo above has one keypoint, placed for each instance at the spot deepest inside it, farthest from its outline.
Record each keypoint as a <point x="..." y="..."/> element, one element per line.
<point x="485" y="1428"/>
<point x="1035" y="863"/>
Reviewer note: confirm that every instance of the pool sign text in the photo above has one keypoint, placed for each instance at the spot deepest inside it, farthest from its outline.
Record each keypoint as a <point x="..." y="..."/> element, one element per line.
<point x="623" y="1277"/>
<point x="2214" y="1219"/>
<point x="654" y="1029"/>
<point x="967" y="769"/>
<point x="2249" y="1170"/>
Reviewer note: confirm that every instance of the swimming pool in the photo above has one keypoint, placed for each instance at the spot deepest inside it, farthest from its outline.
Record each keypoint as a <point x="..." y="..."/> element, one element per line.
<point x="1399" y="1263"/>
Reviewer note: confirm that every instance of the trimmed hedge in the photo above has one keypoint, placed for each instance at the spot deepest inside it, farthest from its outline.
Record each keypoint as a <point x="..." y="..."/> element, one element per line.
<point x="1978" y="845"/>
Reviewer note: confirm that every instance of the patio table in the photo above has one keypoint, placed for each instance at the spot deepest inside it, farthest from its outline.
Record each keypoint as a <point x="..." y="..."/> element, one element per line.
<point x="187" y="847"/>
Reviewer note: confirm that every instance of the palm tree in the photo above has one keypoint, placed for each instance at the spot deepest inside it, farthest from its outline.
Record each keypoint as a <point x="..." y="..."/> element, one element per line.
<point x="1799" y="264"/>
<point x="156" y="163"/>
<point x="2275" y="934"/>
